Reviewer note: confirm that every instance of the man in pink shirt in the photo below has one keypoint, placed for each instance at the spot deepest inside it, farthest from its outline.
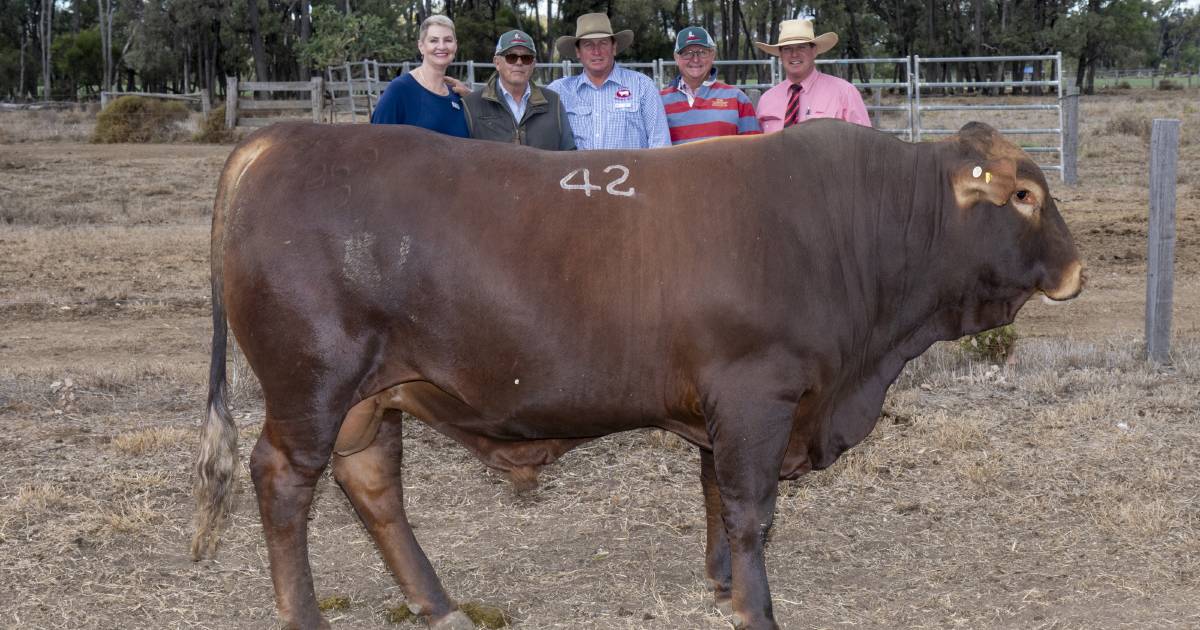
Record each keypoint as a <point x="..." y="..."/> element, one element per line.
<point x="807" y="92"/>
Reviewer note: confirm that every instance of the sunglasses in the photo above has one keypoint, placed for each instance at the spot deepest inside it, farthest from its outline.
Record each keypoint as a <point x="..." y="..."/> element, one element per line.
<point x="512" y="58"/>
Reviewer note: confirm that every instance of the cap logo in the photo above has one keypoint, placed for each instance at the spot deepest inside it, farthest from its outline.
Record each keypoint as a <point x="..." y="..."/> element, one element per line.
<point x="518" y="40"/>
<point x="692" y="36"/>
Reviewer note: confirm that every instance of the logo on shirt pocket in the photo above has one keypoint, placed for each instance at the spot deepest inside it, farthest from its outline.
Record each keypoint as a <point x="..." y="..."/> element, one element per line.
<point x="623" y="93"/>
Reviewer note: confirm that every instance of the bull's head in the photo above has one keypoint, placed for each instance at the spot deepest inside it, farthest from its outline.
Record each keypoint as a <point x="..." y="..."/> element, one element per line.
<point x="1003" y="197"/>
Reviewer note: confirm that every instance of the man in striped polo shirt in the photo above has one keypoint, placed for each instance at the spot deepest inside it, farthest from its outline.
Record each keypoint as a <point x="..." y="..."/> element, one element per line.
<point x="699" y="106"/>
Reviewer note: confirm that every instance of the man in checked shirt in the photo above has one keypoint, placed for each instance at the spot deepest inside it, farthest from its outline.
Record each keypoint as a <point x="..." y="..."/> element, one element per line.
<point x="609" y="107"/>
<point x="806" y="92"/>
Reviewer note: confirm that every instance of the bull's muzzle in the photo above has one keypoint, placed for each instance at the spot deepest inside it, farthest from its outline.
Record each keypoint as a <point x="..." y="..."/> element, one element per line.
<point x="1069" y="286"/>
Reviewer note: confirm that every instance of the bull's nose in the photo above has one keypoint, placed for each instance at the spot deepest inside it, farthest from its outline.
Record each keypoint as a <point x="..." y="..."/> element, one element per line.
<point x="1071" y="284"/>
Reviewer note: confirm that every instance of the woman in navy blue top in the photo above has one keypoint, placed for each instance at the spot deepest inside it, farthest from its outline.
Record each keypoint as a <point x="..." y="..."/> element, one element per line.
<point x="424" y="96"/>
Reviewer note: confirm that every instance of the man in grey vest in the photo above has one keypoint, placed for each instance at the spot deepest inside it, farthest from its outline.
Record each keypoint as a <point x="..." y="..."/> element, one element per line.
<point x="510" y="107"/>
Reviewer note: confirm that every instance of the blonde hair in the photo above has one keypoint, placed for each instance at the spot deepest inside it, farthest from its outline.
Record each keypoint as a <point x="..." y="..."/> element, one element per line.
<point x="435" y="20"/>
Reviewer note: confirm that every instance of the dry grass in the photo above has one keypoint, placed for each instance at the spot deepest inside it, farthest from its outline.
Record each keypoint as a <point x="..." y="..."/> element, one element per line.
<point x="152" y="440"/>
<point x="46" y="126"/>
<point x="1055" y="491"/>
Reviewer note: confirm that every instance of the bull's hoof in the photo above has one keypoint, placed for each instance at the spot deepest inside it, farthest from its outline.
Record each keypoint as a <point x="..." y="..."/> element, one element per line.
<point x="457" y="620"/>
<point x="739" y="623"/>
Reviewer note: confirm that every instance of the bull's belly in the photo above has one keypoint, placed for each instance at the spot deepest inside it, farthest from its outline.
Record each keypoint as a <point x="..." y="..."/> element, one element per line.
<point x="517" y="438"/>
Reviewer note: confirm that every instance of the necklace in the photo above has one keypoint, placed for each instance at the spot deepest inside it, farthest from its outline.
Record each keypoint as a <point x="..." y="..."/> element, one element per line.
<point x="440" y="90"/>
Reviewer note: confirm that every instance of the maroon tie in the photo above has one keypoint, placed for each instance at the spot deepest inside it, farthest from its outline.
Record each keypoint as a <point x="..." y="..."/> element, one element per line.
<point x="793" y="107"/>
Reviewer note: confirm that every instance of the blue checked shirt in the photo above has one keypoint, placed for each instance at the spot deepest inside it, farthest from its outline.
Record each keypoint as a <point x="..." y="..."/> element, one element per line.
<point x="623" y="113"/>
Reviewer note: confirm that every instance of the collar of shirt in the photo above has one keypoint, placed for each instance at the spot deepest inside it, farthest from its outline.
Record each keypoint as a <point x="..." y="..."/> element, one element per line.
<point x="686" y="89"/>
<point x="616" y="76"/>
<point x="516" y="107"/>
<point x="807" y="84"/>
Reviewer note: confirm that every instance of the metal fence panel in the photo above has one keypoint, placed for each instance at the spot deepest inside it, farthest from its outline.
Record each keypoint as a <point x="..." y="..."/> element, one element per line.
<point x="358" y="86"/>
<point x="921" y="86"/>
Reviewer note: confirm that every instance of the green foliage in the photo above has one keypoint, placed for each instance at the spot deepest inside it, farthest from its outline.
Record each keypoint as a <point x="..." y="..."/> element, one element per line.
<point x="213" y="129"/>
<point x="10" y="72"/>
<point x="995" y="345"/>
<point x="340" y="38"/>
<point x="81" y="57"/>
<point x="152" y="54"/>
<point x="156" y="41"/>
<point x="139" y="119"/>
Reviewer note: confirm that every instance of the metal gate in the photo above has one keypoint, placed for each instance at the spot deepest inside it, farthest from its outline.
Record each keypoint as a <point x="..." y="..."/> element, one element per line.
<point x="1052" y="102"/>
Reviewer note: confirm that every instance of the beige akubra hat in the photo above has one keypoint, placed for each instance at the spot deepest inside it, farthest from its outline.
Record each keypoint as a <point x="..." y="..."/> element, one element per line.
<point x="793" y="32"/>
<point x="591" y="26"/>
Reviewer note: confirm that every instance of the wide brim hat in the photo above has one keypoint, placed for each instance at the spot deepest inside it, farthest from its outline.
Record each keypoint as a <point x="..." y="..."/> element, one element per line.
<point x="591" y="26"/>
<point x="792" y="32"/>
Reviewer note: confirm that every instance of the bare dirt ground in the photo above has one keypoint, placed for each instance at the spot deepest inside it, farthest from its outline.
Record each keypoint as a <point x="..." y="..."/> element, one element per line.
<point x="1056" y="492"/>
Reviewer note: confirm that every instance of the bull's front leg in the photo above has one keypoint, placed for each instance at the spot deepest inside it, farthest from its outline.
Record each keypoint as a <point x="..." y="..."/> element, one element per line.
<point x="749" y="439"/>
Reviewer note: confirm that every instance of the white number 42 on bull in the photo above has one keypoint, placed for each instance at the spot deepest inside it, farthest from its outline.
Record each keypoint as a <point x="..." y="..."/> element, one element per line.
<point x="587" y="186"/>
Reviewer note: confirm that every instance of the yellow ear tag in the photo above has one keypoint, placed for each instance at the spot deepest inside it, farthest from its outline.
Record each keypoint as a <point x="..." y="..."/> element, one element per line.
<point x="987" y="178"/>
<point x="976" y="172"/>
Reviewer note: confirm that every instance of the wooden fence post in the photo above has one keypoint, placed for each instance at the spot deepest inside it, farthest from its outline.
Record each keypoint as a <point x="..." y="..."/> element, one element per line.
<point x="205" y="103"/>
<point x="103" y="101"/>
<point x="1160" y="267"/>
<point x="231" y="99"/>
<point x="1070" y="156"/>
<point x="317" y="98"/>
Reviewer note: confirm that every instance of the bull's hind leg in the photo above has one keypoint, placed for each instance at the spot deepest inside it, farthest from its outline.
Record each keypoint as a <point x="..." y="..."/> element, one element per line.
<point x="285" y="465"/>
<point x="371" y="479"/>
<point x="716" y="550"/>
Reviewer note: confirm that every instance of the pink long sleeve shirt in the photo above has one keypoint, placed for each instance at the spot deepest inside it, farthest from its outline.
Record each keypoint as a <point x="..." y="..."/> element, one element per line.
<point x="821" y="96"/>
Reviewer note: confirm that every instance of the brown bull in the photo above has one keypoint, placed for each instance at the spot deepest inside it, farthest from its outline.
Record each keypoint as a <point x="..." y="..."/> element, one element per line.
<point x="756" y="296"/>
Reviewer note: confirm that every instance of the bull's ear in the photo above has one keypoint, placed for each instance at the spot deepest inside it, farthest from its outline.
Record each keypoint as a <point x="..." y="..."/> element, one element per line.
<point x="994" y="180"/>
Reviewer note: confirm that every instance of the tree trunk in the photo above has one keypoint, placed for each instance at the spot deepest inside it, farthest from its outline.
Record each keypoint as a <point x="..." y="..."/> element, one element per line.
<point x="24" y="44"/>
<point x="256" y="42"/>
<point x="187" y="67"/>
<point x="305" y="33"/>
<point x="45" y="28"/>
<point x="104" y="57"/>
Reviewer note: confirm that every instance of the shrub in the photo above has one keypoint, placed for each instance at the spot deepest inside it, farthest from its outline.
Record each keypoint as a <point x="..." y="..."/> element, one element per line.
<point x="994" y="345"/>
<point x="213" y="130"/>
<point x="1167" y="84"/>
<point x="1123" y="85"/>
<point x="139" y="119"/>
<point x="1129" y="125"/>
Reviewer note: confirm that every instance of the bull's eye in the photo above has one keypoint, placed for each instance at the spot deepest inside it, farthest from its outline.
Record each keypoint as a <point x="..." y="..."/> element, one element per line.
<point x="1026" y="201"/>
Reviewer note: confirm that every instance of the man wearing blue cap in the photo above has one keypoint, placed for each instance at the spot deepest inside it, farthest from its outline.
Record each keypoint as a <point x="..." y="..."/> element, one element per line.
<point x="510" y="107"/>
<point x="699" y="106"/>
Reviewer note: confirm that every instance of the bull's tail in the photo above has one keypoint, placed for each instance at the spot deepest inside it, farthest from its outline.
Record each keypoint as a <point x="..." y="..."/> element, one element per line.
<point x="217" y="460"/>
